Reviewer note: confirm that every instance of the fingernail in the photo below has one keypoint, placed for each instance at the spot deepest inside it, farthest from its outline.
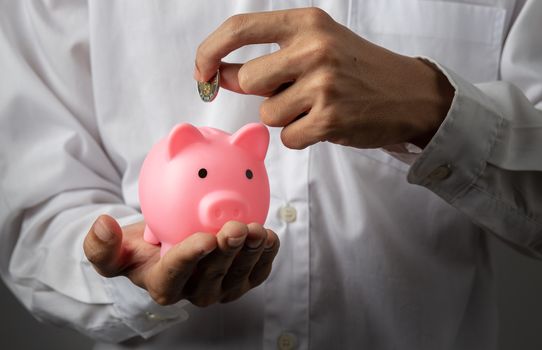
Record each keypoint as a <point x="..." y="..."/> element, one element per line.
<point x="254" y="243"/>
<point x="103" y="233"/>
<point x="235" y="242"/>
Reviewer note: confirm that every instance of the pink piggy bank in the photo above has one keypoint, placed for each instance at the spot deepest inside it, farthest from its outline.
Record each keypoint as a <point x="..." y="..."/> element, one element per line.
<point x="197" y="179"/>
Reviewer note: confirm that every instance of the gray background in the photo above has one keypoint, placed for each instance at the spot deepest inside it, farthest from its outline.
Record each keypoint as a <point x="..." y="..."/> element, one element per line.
<point x="520" y="303"/>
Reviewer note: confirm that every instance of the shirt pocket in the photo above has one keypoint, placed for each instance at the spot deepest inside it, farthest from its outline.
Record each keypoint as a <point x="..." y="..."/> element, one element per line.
<point x="464" y="37"/>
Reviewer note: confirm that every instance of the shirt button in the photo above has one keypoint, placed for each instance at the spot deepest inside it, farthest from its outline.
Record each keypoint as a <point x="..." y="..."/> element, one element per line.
<point x="152" y="316"/>
<point x="288" y="214"/>
<point x="440" y="173"/>
<point x="287" y="341"/>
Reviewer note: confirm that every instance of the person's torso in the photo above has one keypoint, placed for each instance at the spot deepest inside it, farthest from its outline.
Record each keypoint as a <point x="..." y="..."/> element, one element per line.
<point x="366" y="260"/>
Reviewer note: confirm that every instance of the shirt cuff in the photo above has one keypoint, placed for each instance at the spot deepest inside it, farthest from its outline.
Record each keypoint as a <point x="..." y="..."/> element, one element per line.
<point x="457" y="154"/>
<point x="135" y="307"/>
<point x="455" y="160"/>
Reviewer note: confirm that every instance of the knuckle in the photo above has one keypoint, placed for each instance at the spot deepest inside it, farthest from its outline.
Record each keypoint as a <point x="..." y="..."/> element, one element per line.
<point x="243" y="76"/>
<point x="267" y="112"/>
<point x="325" y="84"/>
<point x="322" y="52"/>
<point x="321" y="47"/>
<point x="235" y="24"/>
<point x="316" y="17"/>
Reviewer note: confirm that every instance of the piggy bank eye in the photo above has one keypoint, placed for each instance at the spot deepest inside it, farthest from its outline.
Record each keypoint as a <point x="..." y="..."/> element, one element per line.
<point x="249" y="174"/>
<point x="202" y="173"/>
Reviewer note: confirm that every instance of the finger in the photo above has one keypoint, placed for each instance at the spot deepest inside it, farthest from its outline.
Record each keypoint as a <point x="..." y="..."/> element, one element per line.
<point x="304" y="131"/>
<point x="241" y="30"/>
<point x="236" y="281"/>
<point x="166" y="279"/>
<point x="204" y="287"/>
<point x="266" y="74"/>
<point x="102" y="246"/>
<point x="286" y="106"/>
<point x="229" y="76"/>
<point x="262" y="269"/>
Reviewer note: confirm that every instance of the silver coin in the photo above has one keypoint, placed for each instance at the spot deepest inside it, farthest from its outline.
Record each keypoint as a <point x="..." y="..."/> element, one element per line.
<point x="209" y="89"/>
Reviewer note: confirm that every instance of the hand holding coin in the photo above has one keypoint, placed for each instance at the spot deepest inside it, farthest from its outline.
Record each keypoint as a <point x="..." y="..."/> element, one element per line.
<point x="326" y="83"/>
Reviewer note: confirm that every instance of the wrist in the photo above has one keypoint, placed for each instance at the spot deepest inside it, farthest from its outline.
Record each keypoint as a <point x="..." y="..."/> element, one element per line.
<point x="436" y="95"/>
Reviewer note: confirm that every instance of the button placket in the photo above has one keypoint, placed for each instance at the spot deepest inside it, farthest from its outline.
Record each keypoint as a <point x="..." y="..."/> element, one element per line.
<point x="290" y="276"/>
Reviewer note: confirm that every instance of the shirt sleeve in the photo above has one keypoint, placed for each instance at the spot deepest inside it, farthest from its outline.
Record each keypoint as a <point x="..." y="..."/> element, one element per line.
<point x="56" y="178"/>
<point x="486" y="158"/>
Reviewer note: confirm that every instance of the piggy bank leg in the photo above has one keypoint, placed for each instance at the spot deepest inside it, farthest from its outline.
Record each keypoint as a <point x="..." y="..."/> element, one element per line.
<point x="164" y="248"/>
<point x="148" y="236"/>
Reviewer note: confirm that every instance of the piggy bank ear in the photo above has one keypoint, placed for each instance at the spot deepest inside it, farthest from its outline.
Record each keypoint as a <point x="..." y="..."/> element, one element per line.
<point x="181" y="136"/>
<point x="254" y="138"/>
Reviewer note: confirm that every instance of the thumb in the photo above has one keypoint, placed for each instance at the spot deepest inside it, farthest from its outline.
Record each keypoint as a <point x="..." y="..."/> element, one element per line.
<point x="102" y="246"/>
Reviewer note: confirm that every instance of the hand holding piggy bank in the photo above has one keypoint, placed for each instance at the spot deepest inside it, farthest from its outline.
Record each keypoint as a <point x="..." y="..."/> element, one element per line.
<point x="197" y="179"/>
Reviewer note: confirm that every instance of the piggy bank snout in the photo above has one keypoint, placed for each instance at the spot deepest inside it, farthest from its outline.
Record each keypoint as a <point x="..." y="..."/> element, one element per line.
<point x="219" y="207"/>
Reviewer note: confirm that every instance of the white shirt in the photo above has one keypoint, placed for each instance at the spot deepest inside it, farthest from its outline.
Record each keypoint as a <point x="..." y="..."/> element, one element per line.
<point x="367" y="259"/>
